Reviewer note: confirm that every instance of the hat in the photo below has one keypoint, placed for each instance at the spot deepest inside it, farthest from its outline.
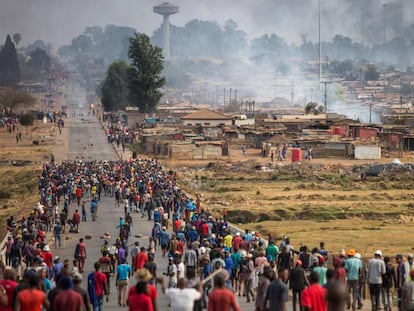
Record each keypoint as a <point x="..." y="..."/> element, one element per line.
<point x="351" y="252"/>
<point x="342" y="253"/>
<point x="46" y="248"/>
<point x="378" y="253"/>
<point x="143" y="275"/>
<point x="410" y="256"/>
<point x="298" y="262"/>
<point x="202" y="250"/>
<point x="249" y="255"/>
<point x="399" y="256"/>
<point x="237" y="233"/>
<point x="357" y="255"/>
<point x="56" y="258"/>
<point x="77" y="276"/>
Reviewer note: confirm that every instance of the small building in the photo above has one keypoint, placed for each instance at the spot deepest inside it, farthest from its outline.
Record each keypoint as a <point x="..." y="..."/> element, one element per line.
<point x="206" y="118"/>
<point x="367" y="152"/>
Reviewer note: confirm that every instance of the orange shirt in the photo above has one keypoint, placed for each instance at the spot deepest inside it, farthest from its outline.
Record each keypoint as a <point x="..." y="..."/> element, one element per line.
<point x="31" y="299"/>
<point x="140" y="260"/>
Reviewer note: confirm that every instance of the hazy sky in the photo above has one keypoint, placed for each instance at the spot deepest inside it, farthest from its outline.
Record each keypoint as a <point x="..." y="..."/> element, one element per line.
<point x="58" y="21"/>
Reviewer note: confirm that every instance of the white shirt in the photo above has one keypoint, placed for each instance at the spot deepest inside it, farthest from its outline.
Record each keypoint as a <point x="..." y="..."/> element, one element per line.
<point x="182" y="299"/>
<point x="180" y="270"/>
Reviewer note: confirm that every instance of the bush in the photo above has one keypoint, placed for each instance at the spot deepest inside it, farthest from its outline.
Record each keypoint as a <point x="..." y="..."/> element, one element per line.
<point x="4" y="194"/>
<point x="26" y="119"/>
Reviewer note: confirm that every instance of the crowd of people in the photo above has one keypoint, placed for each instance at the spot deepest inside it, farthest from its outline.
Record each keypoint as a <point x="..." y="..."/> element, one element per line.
<point x="206" y="262"/>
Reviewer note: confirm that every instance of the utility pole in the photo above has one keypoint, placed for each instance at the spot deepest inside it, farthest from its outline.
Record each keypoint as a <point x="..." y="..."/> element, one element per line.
<point x="326" y="96"/>
<point x="320" y="43"/>
<point x="370" y="107"/>
<point x="224" y="101"/>
<point x="292" y="93"/>
<point x="383" y="48"/>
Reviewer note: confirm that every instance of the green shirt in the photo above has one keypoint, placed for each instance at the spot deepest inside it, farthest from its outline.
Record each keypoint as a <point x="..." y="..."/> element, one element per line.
<point x="321" y="271"/>
<point x="272" y="251"/>
<point x="352" y="266"/>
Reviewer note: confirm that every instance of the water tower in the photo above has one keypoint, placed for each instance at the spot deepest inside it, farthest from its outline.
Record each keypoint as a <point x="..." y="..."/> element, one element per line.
<point x="166" y="9"/>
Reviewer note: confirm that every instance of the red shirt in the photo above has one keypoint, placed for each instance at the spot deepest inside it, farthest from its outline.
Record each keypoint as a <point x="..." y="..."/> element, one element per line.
<point x="152" y="292"/>
<point x="180" y="247"/>
<point x="140" y="260"/>
<point x="47" y="258"/>
<point x="177" y="225"/>
<point x="314" y="297"/>
<point x="236" y="242"/>
<point x="79" y="192"/>
<point x="76" y="218"/>
<point x="9" y="286"/>
<point x="222" y="299"/>
<point x="140" y="302"/>
<point x="204" y="229"/>
<point x="100" y="280"/>
<point x="68" y="300"/>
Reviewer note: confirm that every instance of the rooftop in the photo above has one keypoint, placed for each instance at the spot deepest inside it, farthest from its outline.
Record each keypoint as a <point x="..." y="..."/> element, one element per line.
<point x="206" y="114"/>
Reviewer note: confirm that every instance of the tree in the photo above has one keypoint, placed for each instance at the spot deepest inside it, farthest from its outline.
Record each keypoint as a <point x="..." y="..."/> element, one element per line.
<point x="371" y="74"/>
<point x="12" y="97"/>
<point x="26" y="119"/>
<point x="38" y="44"/>
<point x="144" y="75"/>
<point x="313" y="108"/>
<point x="114" y="89"/>
<point x="9" y="65"/>
<point x="17" y="37"/>
<point x="39" y="60"/>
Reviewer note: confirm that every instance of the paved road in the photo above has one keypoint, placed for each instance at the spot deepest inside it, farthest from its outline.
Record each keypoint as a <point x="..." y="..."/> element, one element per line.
<point x="86" y="139"/>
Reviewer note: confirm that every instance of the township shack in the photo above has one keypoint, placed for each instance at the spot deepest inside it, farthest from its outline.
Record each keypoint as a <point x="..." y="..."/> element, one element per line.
<point x="206" y="118"/>
<point x="367" y="152"/>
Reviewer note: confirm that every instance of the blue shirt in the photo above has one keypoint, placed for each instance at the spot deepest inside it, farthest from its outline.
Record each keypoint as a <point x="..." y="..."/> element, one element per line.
<point x="123" y="271"/>
<point x="164" y="237"/>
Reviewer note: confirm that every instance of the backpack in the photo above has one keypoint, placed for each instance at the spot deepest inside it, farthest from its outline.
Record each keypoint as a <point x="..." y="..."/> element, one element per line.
<point x="91" y="290"/>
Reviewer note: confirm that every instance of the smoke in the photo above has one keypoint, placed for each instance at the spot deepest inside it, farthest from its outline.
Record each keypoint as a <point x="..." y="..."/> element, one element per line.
<point x="59" y="21"/>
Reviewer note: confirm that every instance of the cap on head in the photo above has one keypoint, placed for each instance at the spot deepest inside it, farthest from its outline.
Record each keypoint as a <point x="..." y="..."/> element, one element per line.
<point x="399" y="256"/>
<point x="298" y="262"/>
<point x="409" y="256"/>
<point x="46" y="248"/>
<point x="378" y="253"/>
<point x="351" y="252"/>
<point x="357" y="255"/>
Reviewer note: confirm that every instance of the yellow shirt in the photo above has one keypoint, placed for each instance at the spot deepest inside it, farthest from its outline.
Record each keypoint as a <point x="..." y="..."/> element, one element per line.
<point x="228" y="239"/>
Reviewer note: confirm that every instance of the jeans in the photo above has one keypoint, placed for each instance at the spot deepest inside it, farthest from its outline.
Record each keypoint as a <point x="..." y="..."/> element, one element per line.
<point x="353" y="286"/>
<point x="57" y="240"/>
<point x="375" y="291"/>
<point x="99" y="306"/>
<point x="386" y="298"/>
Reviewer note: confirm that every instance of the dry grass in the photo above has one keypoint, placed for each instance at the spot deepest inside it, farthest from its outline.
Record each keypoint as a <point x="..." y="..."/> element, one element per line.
<point x="18" y="184"/>
<point x="312" y="206"/>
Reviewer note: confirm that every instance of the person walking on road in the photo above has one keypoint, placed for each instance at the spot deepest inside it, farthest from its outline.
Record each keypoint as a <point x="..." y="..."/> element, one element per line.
<point x="57" y="232"/>
<point x="314" y="297"/>
<point x="277" y="293"/>
<point x="68" y="299"/>
<point x="221" y="298"/>
<point x="376" y="269"/>
<point x="97" y="288"/>
<point x="123" y="273"/>
<point x="80" y="254"/>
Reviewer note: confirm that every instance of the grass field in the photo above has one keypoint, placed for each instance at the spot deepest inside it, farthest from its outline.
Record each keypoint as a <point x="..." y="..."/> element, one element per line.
<point x="18" y="184"/>
<point x="312" y="204"/>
